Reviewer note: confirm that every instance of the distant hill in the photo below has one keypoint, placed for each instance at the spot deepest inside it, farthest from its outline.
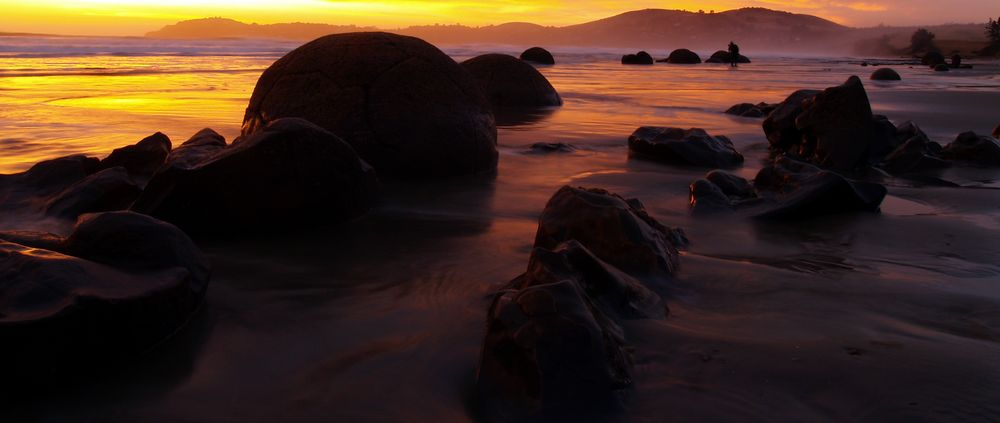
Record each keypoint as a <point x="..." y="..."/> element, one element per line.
<point x="755" y="29"/>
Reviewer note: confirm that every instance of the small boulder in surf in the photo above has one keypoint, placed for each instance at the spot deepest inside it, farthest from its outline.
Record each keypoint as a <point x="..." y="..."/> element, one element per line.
<point x="640" y="58"/>
<point x="692" y="147"/>
<point x="538" y="55"/>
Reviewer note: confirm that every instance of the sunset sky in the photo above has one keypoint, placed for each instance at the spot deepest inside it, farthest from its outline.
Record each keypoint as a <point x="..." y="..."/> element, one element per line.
<point x="135" y="17"/>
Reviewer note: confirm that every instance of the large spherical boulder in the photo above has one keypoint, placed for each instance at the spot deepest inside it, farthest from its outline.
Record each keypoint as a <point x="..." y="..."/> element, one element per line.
<point x="683" y="56"/>
<point x="538" y="55"/>
<point x="511" y="82"/>
<point x="886" y="74"/>
<point x="406" y="107"/>
<point x="290" y="173"/>
<point x="640" y="58"/>
<point x="723" y="56"/>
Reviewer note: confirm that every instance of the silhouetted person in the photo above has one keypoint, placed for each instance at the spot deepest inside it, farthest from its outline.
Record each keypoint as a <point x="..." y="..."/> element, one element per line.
<point x="956" y="61"/>
<point x="734" y="54"/>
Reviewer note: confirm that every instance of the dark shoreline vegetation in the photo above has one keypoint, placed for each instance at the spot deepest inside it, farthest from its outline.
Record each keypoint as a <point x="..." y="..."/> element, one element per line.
<point x="347" y="118"/>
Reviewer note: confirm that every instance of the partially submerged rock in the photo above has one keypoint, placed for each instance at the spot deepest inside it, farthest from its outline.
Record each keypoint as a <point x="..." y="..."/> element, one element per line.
<point x="550" y="147"/>
<point x="538" y="55"/>
<point x="786" y="189"/>
<point x="915" y="153"/>
<point x="510" y="82"/>
<point x="886" y="74"/>
<point x="617" y="231"/>
<point x="290" y="172"/>
<point x="974" y="148"/>
<point x="406" y="107"/>
<point x="942" y="68"/>
<point x="751" y="110"/>
<point x="683" y="56"/>
<point x="640" y="58"/>
<point x="121" y="284"/>
<point x="797" y="190"/>
<point x="933" y="59"/>
<point x="723" y="56"/>
<point x="693" y="147"/>
<point x="141" y="159"/>
<point x="548" y="352"/>
<point x="64" y="188"/>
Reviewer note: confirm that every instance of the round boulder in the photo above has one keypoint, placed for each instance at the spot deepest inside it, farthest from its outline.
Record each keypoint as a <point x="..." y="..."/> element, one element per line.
<point x="683" y="56"/>
<point x="723" y="56"/>
<point x="405" y="106"/>
<point x="538" y="55"/>
<point x="511" y="82"/>
<point x="886" y="74"/>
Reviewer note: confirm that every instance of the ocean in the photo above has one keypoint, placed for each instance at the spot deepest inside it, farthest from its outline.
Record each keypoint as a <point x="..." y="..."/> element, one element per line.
<point x="861" y="317"/>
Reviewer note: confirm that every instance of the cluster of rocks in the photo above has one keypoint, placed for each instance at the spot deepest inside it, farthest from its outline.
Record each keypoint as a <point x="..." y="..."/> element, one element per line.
<point x="680" y="56"/>
<point x="322" y="122"/>
<point x="553" y="343"/>
<point x="751" y="110"/>
<point x="640" y="58"/>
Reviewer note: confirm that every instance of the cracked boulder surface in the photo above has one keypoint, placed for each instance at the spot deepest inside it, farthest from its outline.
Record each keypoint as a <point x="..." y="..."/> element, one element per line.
<point x="406" y="107"/>
<point x="511" y="82"/>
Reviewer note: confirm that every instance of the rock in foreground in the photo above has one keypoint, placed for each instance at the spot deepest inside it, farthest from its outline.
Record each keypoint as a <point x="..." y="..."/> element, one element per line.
<point x="837" y="127"/>
<point x="538" y="55"/>
<point x="547" y="352"/>
<point x="289" y="173"/>
<point x="510" y="82"/>
<point x="406" y="107"/>
<point x="617" y="231"/>
<point x="693" y="147"/>
<point x="141" y="159"/>
<point x="782" y="134"/>
<point x="120" y="284"/>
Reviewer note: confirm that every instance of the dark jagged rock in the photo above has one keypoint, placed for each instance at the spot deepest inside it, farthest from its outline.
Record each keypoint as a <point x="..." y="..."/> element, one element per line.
<point x="683" y="56"/>
<point x="58" y="188"/>
<point x="750" y="110"/>
<point x="510" y="82"/>
<point x="640" y="58"/>
<point x="973" y="148"/>
<point x="538" y="55"/>
<point x="780" y="124"/>
<point x="915" y="155"/>
<point x="197" y="149"/>
<point x="942" y="68"/>
<point x="550" y="147"/>
<point x="885" y="139"/>
<point x="405" y="106"/>
<point x="886" y="74"/>
<point x="547" y="352"/>
<point x="51" y="176"/>
<point x="731" y="185"/>
<point x="693" y="147"/>
<point x="723" y="56"/>
<point x="142" y="159"/>
<point x="796" y="190"/>
<point x="616" y="230"/>
<point x="837" y="127"/>
<point x="615" y="293"/>
<point x="785" y="189"/>
<point x="138" y="284"/>
<point x="108" y="190"/>
<point x="288" y="173"/>
<point x="933" y="59"/>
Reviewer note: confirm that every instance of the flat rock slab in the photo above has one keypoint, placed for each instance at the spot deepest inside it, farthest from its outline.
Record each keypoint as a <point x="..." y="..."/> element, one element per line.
<point x="693" y="147"/>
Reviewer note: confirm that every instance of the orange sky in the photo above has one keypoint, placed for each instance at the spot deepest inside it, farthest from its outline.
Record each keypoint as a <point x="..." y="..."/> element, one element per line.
<point x="135" y="17"/>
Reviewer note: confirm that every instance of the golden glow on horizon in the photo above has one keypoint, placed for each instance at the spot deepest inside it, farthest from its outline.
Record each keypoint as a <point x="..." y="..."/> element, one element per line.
<point x="135" y="17"/>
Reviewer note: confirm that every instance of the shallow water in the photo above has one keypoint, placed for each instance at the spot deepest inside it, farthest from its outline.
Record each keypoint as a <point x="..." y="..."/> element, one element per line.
<point x="891" y="316"/>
